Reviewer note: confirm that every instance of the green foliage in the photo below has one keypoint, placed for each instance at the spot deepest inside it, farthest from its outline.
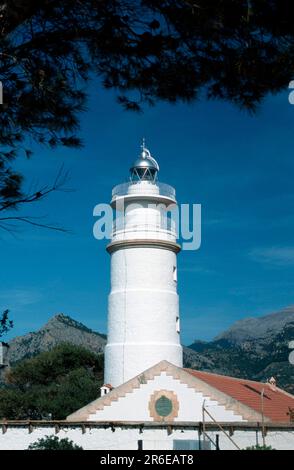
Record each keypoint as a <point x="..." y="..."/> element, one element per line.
<point x="259" y="447"/>
<point x="49" y="366"/>
<point x="5" y="323"/>
<point x="54" y="443"/>
<point x="238" y="51"/>
<point x="54" y="383"/>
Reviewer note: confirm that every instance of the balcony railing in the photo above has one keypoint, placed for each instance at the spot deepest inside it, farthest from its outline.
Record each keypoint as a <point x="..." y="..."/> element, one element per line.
<point x="168" y="228"/>
<point x="139" y="187"/>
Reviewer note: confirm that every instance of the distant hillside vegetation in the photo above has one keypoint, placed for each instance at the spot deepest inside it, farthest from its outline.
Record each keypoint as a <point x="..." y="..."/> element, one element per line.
<point x="253" y="348"/>
<point x="52" y="384"/>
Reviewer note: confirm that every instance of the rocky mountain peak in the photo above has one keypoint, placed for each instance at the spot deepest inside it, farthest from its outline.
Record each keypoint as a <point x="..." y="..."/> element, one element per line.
<point x="252" y="329"/>
<point x="253" y="348"/>
<point x="59" y="329"/>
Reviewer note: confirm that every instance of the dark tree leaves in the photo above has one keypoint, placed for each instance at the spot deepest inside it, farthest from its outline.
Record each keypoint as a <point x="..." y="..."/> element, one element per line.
<point x="54" y="443"/>
<point x="52" y="384"/>
<point x="234" y="50"/>
<point x="5" y="323"/>
<point x="172" y="50"/>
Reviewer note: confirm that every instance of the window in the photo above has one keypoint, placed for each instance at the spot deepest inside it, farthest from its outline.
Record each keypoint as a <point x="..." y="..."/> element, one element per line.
<point x="175" y="274"/>
<point x="178" y="324"/>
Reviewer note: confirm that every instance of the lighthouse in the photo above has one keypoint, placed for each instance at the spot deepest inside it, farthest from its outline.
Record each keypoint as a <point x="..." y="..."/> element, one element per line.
<point x="149" y="401"/>
<point x="143" y="307"/>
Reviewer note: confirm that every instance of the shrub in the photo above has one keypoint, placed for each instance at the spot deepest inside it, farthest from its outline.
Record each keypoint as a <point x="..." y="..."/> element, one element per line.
<point x="54" y="443"/>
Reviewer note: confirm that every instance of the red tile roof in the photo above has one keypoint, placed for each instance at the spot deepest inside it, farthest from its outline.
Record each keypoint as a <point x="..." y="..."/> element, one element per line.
<point x="276" y="401"/>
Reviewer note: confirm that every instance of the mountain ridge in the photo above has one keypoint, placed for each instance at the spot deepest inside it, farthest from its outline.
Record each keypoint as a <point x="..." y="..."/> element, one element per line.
<point x="60" y="328"/>
<point x="252" y="348"/>
<point x="255" y="327"/>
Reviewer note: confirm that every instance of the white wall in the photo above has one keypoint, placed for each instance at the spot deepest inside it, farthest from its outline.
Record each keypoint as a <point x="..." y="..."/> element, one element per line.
<point x="143" y="311"/>
<point x="104" y="439"/>
<point x="143" y="302"/>
<point x="280" y="440"/>
<point x="134" y="406"/>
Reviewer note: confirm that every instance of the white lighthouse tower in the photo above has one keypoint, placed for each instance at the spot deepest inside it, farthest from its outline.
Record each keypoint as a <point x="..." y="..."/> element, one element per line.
<point x="143" y="312"/>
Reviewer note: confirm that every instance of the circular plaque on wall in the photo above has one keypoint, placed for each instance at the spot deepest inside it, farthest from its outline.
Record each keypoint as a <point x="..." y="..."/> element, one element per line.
<point x="163" y="405"/>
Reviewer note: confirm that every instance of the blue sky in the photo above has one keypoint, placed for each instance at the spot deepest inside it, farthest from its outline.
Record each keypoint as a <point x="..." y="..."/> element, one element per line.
<point x="238" y="167"/>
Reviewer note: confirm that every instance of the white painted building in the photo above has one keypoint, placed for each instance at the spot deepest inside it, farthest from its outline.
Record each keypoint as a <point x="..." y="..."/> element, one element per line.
<point x="135" y="416"/>
<point x="130" y="436"/>
<point x="148" y="400"/>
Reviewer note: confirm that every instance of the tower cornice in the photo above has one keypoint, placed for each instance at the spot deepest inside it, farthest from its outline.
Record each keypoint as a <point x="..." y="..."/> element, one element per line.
<point x="143" y="242"/>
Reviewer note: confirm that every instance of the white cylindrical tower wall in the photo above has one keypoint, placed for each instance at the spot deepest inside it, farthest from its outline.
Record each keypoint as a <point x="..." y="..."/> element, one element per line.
<point x="143" y="312"/>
